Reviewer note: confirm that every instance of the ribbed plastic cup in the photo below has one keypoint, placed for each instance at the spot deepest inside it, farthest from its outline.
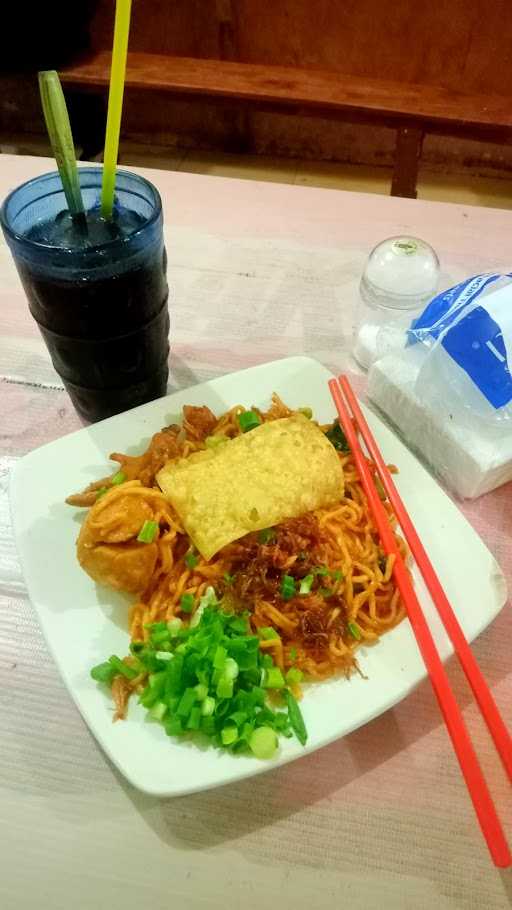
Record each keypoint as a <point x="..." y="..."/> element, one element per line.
<point x="102" y="310"/>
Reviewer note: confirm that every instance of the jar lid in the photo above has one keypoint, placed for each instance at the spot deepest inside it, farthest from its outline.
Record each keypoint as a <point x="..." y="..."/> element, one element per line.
<point x="401" y="272"/>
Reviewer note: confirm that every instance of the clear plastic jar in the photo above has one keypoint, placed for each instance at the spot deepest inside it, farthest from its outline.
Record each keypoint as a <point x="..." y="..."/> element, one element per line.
<point x="400" y="277"/>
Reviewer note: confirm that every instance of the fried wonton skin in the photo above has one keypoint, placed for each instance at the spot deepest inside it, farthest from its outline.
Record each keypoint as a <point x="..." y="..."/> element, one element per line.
<point x="107" y="546"/>
<point x="279" y="470"/>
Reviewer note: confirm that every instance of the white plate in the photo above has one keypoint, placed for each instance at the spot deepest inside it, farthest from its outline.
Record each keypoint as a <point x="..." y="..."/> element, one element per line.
<point x="84" y="623"/>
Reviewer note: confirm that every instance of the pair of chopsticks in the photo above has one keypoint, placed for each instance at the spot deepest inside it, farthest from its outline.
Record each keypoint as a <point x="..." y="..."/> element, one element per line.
<point x="352" y="422"/>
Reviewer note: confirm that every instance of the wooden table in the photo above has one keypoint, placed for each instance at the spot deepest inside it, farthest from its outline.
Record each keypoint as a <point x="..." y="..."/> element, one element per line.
<point x="379" y="819"/>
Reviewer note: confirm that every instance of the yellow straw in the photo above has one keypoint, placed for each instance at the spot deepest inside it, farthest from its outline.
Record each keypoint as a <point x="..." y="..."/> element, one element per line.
<point x="115" y="104"/>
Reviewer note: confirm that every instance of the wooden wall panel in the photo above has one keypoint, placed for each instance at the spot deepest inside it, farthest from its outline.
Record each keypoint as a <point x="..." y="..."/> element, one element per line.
<point x="188" y="28"/>
<point x="421" y="42"/>
<point x="461" y="44"/>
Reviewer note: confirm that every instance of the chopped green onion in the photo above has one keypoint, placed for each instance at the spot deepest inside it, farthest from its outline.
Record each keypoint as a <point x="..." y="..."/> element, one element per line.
<point x="101" y="492"/>
<point x="175" y="625"/>
<point x="266" y="535"/>
<point x="186" y="703"/>
<point x="216" y="439"/>
<point x="337" y="575"/>
<point x="274" y="679"/>
<point x="305" y="585"/>
<point x="337" y="437"/>
<point x="354" y="630"/>
<point x="267" y="633"/>
<point x="158" y="711"/>
<point x="231" y="668"/>
<point x="158" y="638"/>
<point x="149" y="697"/>
<point x="219" y="658"/>
<point x="122" y="668"/>
<point x="320" y="570"/>
<point x="224" y="687"/>
<point x="294" y="676"/>
<point x="307" y="412"/>
<point x="173" y="726"/>
<point x="229" y="735"/>
<point x="287" y="587"/>
<point x="187" y="603"/>
<point x="296" y="718"/>
<point x="104" y="673"/>
<point x="208" y="706"/>
<point x="238" y="717"/>
<point x="240" y="625"/>
<point x="293" y="653"/>
<point x="248" y="420"/>
<point x="191" y="560"/>
<point x="211" y="677"/>
<point x="208" y="599"/>
<point x="120" y="477"/>
<point x="201" y="691"/>
<point x="194" y="719"/>
<point x="229" y="579"/>
<point x="325" y="592"/>
<point x="263" y="742"/>
<point x="148" y="532"/>
<point x="208" y="726"/>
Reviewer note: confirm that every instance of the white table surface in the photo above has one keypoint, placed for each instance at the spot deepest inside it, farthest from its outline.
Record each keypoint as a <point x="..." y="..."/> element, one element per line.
<point x="380" y="819"/>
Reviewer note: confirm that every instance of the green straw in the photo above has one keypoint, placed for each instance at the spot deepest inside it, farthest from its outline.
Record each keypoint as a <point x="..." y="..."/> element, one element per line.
<point x="61" y="138"/>
<point x="115" y="104"/>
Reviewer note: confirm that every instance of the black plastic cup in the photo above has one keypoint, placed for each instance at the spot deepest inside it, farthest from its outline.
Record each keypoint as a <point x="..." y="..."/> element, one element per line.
<point x="102" y="310"/>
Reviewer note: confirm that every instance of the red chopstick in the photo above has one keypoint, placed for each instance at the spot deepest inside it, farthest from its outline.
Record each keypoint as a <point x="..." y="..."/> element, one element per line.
<point x="483" y="696"/>
<point x="468" y="761"/>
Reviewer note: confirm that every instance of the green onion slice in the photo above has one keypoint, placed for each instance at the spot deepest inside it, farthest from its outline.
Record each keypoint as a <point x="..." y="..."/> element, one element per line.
<point x="287" y="587"/>
<point x="354" y="630"/>
<point x="263" y="742"/>
<point x="305" y="585"/>
<point x="148" y="532"/>
<point x="187" y="603"/>
<point x="274" y="679"/>
<point x="191" y="560"/>
<point x="296" y="718"/>
<point x="248" y="420"/>
<point x="266" y="535"/>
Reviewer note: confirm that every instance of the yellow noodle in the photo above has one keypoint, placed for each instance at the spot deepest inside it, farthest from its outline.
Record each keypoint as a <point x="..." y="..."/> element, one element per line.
<point x="365" y="595"/>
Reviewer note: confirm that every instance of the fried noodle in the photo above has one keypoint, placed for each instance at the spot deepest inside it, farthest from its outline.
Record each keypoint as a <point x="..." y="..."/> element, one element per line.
<point x="352" y="601"/>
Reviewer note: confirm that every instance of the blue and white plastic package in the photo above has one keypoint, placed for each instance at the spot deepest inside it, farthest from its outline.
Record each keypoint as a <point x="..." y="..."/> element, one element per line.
<point x="449" y="391"/>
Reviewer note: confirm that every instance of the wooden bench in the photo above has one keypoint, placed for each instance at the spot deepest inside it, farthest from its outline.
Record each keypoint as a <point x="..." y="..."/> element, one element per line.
<point x="413" y="110"/>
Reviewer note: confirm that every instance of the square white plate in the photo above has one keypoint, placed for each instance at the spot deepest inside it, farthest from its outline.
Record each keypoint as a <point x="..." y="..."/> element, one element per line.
<point x="85" y="623"/>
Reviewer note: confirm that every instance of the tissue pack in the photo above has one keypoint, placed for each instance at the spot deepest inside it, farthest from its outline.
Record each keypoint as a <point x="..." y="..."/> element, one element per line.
<point x="449" y="391"/>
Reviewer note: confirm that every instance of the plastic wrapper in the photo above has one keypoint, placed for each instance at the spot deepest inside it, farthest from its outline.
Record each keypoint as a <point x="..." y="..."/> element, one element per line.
<point x="449" y="392"/>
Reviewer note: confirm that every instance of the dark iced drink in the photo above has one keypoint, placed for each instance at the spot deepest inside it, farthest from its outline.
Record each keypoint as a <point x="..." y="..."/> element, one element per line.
<point x="97" y="289"/>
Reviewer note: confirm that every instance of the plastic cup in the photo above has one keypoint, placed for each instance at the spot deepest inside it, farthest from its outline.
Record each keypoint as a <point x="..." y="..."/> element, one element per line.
<point x="101" y="307"/>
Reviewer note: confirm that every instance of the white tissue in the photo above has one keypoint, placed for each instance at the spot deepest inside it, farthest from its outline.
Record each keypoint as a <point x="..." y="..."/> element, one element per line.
<point x="470" y="460"/>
